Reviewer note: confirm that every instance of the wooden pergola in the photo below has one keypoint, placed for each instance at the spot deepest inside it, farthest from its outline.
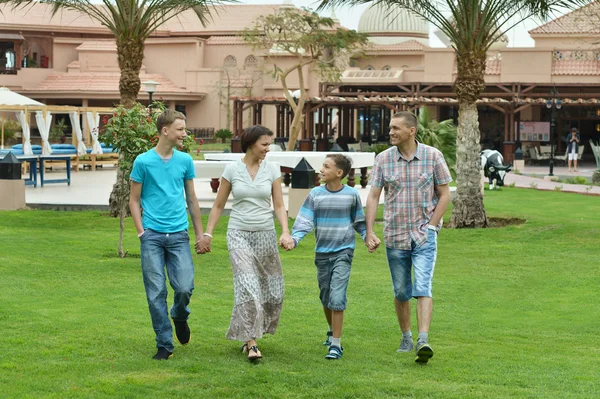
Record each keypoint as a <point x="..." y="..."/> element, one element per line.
<point x="351" y="98"/>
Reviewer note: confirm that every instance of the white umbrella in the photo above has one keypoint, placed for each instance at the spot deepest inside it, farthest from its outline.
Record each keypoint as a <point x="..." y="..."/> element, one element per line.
<point x="10" y="98"/>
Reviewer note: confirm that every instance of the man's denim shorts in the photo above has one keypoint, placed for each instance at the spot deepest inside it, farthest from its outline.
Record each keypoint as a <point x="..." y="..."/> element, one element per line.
<point x="422" y="260"/>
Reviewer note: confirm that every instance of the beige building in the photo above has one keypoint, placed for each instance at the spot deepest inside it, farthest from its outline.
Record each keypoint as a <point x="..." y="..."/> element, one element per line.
<point x="69" y="59"/>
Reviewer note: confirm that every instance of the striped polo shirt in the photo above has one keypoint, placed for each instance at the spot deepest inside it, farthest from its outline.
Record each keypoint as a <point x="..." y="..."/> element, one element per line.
<point x="334" y="216"/>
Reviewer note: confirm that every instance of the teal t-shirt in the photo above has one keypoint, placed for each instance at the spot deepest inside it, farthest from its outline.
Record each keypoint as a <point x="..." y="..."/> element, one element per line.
<point x="163" y="194"/>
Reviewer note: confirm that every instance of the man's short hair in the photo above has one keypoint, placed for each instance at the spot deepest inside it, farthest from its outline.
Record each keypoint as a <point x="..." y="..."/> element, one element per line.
<point x="252" y="134"/>
<point x="574" y="129"/>
<point x="342" y="162"/>
<point x="167" y="117"/>
<point x="410" y="119"/>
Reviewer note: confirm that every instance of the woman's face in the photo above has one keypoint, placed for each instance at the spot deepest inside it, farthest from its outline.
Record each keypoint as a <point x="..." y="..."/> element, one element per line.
<point x="261" y="147"/>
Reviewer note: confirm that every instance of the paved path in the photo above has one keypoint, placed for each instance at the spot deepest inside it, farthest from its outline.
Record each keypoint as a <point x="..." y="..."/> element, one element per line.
<point x="91" y="189"/>
<point x="537" y="177"/>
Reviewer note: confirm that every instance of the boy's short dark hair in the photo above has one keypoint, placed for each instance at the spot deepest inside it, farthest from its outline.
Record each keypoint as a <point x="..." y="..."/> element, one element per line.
<point x="409" y="118"/>
<point x="252" y="134"/>
<point x="342" y="162"/>
<point x="167" y="117"/>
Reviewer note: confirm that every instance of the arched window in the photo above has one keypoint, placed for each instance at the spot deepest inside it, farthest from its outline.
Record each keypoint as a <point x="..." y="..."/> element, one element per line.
<point x="250" y="62"/>
<point x="370" y="68"/>
<point x="386" y="68"/>
<point x="230" y="62"/>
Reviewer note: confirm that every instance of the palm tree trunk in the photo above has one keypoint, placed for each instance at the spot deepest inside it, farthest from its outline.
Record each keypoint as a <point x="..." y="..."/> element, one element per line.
<point x="468" y="210"/>
<point x="130" y="54"/>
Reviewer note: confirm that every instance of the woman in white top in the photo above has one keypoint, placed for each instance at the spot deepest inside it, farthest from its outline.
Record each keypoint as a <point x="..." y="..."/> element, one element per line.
<point x="251" y="239"/>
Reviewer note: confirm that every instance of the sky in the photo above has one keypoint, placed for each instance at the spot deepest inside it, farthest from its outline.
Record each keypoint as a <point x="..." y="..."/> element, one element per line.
<point x="518" y="37"/>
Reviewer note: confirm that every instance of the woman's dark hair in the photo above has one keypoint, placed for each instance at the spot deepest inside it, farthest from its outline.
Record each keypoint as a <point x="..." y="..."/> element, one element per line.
<point x="252" y="134"/>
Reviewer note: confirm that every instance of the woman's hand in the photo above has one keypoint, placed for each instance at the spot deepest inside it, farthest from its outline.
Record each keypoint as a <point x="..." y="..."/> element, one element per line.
<point x="203" y="245"/>
<point x="286" y="241"/>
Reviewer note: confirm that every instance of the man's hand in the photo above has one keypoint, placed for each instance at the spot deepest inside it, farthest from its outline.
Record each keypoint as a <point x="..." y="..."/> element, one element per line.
<point x="372" y="242"/>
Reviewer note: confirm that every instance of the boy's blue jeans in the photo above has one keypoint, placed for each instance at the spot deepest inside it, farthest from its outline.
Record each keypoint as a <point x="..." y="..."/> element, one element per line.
<point x="173" y="251"/>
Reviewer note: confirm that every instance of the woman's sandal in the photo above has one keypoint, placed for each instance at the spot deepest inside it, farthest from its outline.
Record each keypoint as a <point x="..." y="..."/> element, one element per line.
<point x="253" y="352"/>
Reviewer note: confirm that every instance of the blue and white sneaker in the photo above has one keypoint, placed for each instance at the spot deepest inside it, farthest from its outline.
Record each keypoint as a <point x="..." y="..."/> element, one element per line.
<point x="335" y="352"/>
<point x="327" y="342"/>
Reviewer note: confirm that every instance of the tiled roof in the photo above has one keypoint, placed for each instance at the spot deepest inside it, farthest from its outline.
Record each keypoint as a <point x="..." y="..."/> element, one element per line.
<point x="493" y="67"/>
<point x="102" y="82"/>
<point x="410" y="45"/>
<point x="584" y="20"/>
<point x="575" y="67"/>
<point x="224" y="18"/>
<point x="224" y="40"/>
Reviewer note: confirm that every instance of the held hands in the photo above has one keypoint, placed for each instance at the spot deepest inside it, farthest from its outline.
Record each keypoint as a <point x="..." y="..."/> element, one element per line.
<point x="372" y="242"/>
<point x="287" y="242"/>
<point x="203" y="245"/>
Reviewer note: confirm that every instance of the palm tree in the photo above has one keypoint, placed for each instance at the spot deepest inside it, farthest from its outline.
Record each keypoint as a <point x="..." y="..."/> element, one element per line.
<point x="131" y="22"/>
<point x="472" y="26"/>
<point x="441" y="135"/>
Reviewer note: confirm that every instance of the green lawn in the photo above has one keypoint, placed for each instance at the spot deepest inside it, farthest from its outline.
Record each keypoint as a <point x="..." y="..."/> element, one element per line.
<point x="197" y="151"/>
<point x="516" y="315"/>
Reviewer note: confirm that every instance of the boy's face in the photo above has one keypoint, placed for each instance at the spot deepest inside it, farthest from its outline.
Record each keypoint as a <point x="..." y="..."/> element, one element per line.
<point x="175" y="132"/>
<point x="330" y="172"/>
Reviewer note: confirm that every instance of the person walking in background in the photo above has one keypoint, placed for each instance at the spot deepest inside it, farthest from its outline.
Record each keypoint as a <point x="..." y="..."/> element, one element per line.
<point x="573" y="148"/>
<point x="251" y="239"/>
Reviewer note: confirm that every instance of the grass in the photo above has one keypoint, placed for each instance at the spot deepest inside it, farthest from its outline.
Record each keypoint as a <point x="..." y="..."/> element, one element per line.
<point x="197" y="151"/>
<point x="516" y="313"/>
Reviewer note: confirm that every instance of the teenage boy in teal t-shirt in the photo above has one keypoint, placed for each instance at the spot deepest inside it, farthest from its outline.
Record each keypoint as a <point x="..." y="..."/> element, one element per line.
<point x="159" y="179"/>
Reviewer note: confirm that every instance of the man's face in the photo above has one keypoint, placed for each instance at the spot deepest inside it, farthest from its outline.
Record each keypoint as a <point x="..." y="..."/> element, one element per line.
<point x="175" y="132"/>
<point x="400" y="133"/>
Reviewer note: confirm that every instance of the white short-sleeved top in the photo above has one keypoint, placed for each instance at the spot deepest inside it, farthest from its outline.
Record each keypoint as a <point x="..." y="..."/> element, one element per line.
<point x="251" y="209"/>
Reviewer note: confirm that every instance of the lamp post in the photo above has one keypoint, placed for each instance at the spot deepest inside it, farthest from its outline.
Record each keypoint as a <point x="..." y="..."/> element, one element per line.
<point x="553" y="103"/>
<point x="150" y="87"/>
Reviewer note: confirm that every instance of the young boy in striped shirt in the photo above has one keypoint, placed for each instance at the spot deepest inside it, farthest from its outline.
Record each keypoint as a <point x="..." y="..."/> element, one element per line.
<point x="334" y="211"/>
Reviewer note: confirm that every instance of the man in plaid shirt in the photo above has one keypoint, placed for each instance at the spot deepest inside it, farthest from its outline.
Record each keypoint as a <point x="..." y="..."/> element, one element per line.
<point x="415" y="179"/>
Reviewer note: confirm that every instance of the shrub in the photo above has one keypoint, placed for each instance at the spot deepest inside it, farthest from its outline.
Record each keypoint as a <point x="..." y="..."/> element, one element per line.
<point x="132" y="131"/>
<point x="11" y="127"/>
<point x="377" y="148"/>
<point x="223" y="134"/>
<point x="58" y="130"/>
<point x="596" y="177"/>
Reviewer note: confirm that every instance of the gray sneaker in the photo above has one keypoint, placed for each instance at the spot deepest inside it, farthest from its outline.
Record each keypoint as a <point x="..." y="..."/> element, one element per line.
<point x="406" y="345"/>
<point x="424" y="352"/>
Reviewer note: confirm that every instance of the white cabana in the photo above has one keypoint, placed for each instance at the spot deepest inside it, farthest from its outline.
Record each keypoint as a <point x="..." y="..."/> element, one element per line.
<point x="44" y="120"/>
<point x="22" y="117"/>
<point x="93" y="123"/>
<point x="9" y="98"/>
<point x="74" y="116"/>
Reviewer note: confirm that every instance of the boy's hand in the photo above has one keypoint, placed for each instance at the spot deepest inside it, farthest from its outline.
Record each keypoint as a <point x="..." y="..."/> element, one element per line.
<point x="286" y="242"/>
<point x="203" y="245"/>
<point x="372" y="242"/>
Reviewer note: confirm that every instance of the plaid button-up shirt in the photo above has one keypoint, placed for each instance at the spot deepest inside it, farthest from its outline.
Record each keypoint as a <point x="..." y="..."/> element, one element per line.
<point x="410" y="197"/>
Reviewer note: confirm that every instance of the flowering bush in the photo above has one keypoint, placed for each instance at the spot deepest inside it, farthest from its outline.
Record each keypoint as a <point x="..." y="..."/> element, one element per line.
<point x="132" y="131"/>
